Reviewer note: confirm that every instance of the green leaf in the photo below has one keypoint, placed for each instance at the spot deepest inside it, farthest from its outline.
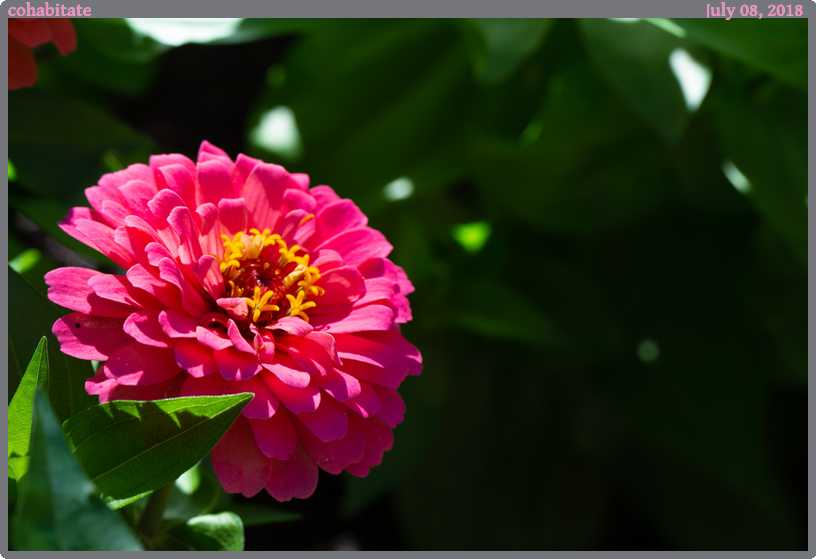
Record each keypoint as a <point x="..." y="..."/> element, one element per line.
<point x="592" y="167"/>
<point x="195" y="493"/>
<point x="18" y="466"/>
<point x="71" y="136"/>
<point x="256" y="515"/>
<point x="19" y="411"/>
<point x="31" y="316"/>
<point x="502" y="45"/>
<point x="58" y="507"/>
<point x="764" y="138"/>
<point x="164" y="439"/>
<point x="636" y="59"/>
<point x="115" y="39"/>
<point x="778" y="46"/>
<point x="211" y="532"/>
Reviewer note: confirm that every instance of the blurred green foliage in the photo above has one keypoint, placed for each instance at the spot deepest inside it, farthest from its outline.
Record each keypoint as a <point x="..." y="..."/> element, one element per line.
<point x="567" y="205"/>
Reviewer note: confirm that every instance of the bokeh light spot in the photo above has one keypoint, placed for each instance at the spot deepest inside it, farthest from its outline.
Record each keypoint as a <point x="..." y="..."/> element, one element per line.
<point x="398" y="189"/>
<point x="735" y="177"/>
<point x="178" y="31"/>
<point x="648" y="351"/>
<point x="472" y="236"/>
<point x="694" y="78"/>
<point x="277" y="132"/>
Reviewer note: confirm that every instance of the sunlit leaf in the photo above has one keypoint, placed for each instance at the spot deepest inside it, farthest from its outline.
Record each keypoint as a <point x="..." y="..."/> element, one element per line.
<point x="128" y="448"/>
<point x="58" y="508"/>
<point x="211" y="532"/>
<point x="19" y="411"/>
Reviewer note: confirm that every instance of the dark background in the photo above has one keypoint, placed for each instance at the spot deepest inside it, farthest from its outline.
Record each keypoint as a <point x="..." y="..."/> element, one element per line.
<point x="620" y="364"/>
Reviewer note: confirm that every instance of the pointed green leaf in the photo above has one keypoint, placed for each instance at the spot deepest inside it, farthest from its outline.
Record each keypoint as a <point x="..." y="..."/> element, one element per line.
<point x="31" y="316"/>
<point x="640" y="61"/>
<point x="58" y="506"/>
<point x="778" y="46"/>
<point x="19" y="412"/>
<point x="128" y="448"/>
<point x="211" y="532"/>
<point x="503" y="44"/>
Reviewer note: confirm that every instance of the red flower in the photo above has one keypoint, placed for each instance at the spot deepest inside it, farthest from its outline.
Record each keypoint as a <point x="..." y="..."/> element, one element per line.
<point x="240" y="278"/>
<point x="26" y="33"/>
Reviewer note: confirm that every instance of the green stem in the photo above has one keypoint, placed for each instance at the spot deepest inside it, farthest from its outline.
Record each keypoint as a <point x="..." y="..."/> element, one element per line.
<point x="153" y="512"/>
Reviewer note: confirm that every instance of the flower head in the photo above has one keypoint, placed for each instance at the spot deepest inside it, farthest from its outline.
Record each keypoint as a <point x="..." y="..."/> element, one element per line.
<point x="240" y="278"/>
<point x="26" y="33"/>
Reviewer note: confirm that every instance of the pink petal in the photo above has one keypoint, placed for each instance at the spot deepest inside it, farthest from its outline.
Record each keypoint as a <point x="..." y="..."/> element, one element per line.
<point x="102" y="238"/>
<point x="214" y="182"/>
<point x="358" y="348"/>
<point x="192" y="302"/>
<point x="295" y="477"/>
<point x="301" y="180"/>
<point x="263" y="405"/>
<point x="336" y="218"/>
<point x="339" y="385"/>
<point x="63" y="34"/>
<point x="233" y="215"/>
<point x="342" y="286"/>
<point x="108" y="389"/>
<point x="118" y="289"/>
<point x="378" y="439"/>
<point x="68" y="287"/>
<point x="296" y="400"/>
<point x="332" y="456"/>
<point x="140" y="278"/>
<point x="367" y="403"/>
<point x="308" y="354"/>
<point x="31" y="32"/>
<point x="212" y="339"/>
<point x="329" y="422"/>
<point x="294" y="199"/>
<point x="392" y="408"/>
<point x="195" y="358"/>
<point x="288" y="372"/>
<point x="403" y="348"/>
<point x="236" y="365"/>
<point x="159" y="161"/>
<point x="293" y="325"/>
<point x="177" y="324"/>
<point x="236" y="307"/>
<point x="369" y="317"/>
<point x="208" y="152"/>
<point x="239" y="464"/>
<point x="90" y="337"/>
<point x="358" y="245"/>
<point x="324" y="195"/>
<point x="209" y="276"/>
<point x="243" y="167"/>
<point x="144" y="327"/>
<point x="136" y="365"/>
<point x="237" y="339"/>
<point x="137" y="194"/>
<point x="138" y="171"/>
<point x="263" y="192"/>
<point x="181" y="220"/>
<point x="275" y="436"/>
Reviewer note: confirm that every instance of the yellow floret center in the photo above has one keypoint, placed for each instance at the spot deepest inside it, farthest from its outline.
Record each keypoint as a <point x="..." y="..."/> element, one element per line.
<point x="274" y="278"/>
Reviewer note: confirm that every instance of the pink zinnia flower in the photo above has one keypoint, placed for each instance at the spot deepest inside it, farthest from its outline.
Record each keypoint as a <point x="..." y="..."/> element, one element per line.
<point x="26" y="33"/>
<point x="240" y="278"/>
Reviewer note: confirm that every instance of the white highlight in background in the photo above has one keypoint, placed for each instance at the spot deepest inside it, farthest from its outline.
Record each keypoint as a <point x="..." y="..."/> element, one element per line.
<point x="694" y="78"/>
<point x="178" y="31"/>
<point x="735" y="177"/>
<point x="399" y="189"/>
<point x="277" y="132"/>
